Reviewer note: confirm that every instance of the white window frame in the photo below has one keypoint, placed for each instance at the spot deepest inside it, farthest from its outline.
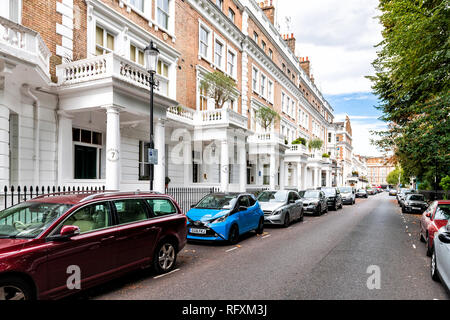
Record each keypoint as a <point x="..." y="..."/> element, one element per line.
<point x="137" y="49"/>
<point x="256" y="37"/>
<point x="255" y="79"/>
<point x="169" y="16"/>
<point x="218" y="39"/>
<point x="231" y="15"/>
<point x="283" y="102"/>
<point x="263" y="86"/>
<point x="142" y="10"/>
<point x="219" y="4"/>
<point x="106" y="31"/>
<point x="270" y="90"/>
<point x="209" y="40"/>
<point x="233" y="74"/>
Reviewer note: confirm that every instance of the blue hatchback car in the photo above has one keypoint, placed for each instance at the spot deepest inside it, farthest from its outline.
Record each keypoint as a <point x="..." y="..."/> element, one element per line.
<point x="224" y="217"/>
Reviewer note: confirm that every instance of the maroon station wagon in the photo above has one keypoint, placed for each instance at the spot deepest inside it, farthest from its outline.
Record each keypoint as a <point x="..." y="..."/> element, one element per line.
<point x="54" y="246"/>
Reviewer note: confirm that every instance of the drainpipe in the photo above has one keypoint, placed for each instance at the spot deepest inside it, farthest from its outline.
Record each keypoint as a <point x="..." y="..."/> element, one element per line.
<point x="26" y="90"/>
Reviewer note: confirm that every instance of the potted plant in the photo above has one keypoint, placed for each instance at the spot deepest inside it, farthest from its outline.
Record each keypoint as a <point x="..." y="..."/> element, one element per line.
<point x="266" y="117"/>
<point x="219" y="87"/>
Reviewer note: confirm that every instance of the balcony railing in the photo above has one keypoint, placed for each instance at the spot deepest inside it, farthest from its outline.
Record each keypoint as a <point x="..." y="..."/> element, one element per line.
<point x="269" y="137"/>
<point x="25" y="43"/>
<point x="105" y="66"/>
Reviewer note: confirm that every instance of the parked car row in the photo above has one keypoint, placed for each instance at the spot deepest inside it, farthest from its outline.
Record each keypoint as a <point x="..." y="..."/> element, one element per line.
<point x="435" y="233"/>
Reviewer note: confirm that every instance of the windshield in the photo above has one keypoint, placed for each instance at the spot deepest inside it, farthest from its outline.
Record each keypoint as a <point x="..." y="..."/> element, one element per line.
<point x="345" y="189"/>
<point x="29" y="219"/>
<point x="416" y="197"/>
<point x="311" y="194"/>
<point x="217" y="202"/>
<point x="442" y="212"/>
<point x="361" y="190"/>
<point x="329" y="191"/>
<point x="273" y="196"/>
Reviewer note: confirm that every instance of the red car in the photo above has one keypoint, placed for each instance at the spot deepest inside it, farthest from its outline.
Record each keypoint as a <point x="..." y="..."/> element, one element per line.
<point x="434" y="218"/>
<point x="51" y="247"/>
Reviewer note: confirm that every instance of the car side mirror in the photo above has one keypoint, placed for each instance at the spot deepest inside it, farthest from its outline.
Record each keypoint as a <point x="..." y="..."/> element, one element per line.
<point x="66" y="233"/>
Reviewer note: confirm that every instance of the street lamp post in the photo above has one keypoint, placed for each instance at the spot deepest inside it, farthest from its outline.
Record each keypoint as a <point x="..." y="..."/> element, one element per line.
<point x="151" y="54"/>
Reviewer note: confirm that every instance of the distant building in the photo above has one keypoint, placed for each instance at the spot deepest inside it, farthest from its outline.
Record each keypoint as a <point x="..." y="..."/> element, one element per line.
<point x="343" y="149"/>
<point x="378" y="170"/>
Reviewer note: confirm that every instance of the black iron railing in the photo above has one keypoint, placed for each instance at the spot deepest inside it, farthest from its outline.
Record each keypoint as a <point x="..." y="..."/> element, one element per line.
<point x="16" y="194"/>
<point x="186" y="197"/>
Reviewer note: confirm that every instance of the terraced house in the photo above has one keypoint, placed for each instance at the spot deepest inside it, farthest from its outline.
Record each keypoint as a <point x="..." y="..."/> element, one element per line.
<point x="74" y="97"/>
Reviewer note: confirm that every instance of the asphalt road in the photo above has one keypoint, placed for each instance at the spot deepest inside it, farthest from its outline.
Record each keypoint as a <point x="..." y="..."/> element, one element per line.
<point x="324" y="257"/>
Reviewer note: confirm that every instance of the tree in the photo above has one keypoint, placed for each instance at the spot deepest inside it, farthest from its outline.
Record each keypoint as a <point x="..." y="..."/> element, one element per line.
<point x="393" y="177"/>
<point x="315" y="144"/>
<point x="266" y="117"/>
<point x="412" y="81"/>
<point x="219" y="87"/>
<point x="445" y="184"/>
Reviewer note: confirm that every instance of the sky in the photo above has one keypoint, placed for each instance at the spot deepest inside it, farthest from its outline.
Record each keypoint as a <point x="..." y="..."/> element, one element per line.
<point x="339" y="37"/>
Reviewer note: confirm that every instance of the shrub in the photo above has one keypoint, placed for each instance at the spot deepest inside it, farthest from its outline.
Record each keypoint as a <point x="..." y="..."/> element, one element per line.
<point x="325" y="155"/>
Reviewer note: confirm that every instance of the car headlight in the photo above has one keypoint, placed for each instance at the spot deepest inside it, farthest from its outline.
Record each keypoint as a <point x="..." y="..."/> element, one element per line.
<point x="221" y="219"/>
<point x="277" y="212"/>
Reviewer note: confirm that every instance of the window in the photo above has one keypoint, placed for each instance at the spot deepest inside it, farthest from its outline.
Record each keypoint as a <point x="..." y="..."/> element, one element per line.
<point x="270" y="91"/>
<point x="218" y="52"/>
<point x="136" y="55"/>
<point x="255" y="79"/>
<point x="203" y="99"/>
<point x="263" y="85"/>
<point x="263" y="45"/>
<point x="87" y="154"/>
<point x="270" y="54"/>
<point x="104" y="41"/>
<point x="161" y="207"/>
<point x="231" y="62"/>
<point x="283" y="104"/>
<point x="284" y="67"/>
<point x="219" y="3"/>
<point x="204" y="42"/>
<point x="293" y="109"/>
<point x="138" y="4"/>
<point x="11" y="10"/>
<point x="163" y="13"/>
<point x="329" y="137"/>
<point x="255" y="37"/>
<point x="90" y="218"/>
<point x="162" y="69"/>
<point x="130" y="210"/>
<point x="231" y="14"/>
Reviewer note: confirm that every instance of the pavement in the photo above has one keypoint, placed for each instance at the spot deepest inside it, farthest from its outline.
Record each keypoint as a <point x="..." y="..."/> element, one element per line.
<point x="333" y="256"/>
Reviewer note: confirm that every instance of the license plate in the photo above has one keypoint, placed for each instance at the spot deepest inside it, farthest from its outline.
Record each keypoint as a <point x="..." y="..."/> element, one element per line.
<point x="198" y="231"/>
<point x="416" y="208"/>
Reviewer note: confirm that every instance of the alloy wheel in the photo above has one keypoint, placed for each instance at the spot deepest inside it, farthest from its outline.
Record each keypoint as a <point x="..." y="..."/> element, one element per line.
<point x="166" y="256"/>
<point x="433" y="267"/>
<point x="9" y="292"/>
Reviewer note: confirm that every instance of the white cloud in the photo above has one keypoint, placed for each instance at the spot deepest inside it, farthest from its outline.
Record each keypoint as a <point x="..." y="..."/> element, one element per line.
<point x="339" y="39"/>
<point x="341" y="117"/>
<point x="361" y="137"/>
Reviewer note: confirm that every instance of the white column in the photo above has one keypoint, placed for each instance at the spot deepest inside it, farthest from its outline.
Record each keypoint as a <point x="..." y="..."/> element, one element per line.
<point x="112" y="148"/>
<point x="327" y="179"/>
<point x="65" y="148"/>
<point x="304" y="177"/>
<point x="160" y="169"/>
<point x="4" y="146"/>
<point x="187" y="162"/>
<point x="316" y="178"/>
<point x="299" y="176"/>
<point x="272" y="170"/>
<point x="242" y="167"/>
<point x="282" y="174"/>
<point x="224" y="166"/>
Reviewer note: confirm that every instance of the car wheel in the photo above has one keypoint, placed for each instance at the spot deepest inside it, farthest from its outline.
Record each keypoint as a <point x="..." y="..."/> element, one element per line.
<point x="165" y="257"/>
<point x="428" y="247"/>
<point x="335" y="208"/>
<point x="287" y="220"/>
<point x="403" y="210"/>
<point x="341" y="206"/>
<point x="233" y="236"/>
<point x="326" y="209"/>
<point x="14" y="288"/>
<point x="433" y="267"/>
<point x="302" y="214"/>
<point x="260" y="228"/>
<point x="318" y="210"/>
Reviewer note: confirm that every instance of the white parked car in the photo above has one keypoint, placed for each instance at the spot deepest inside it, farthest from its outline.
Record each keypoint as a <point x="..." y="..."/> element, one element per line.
<point x="440" y="256"/>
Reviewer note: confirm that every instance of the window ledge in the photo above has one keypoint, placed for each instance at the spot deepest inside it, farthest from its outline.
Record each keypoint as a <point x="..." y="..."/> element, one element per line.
<point x="157" y="27"/>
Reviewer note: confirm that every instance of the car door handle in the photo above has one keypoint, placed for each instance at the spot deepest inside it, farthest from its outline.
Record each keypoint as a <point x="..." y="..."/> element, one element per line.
<point x="107" y="239"/>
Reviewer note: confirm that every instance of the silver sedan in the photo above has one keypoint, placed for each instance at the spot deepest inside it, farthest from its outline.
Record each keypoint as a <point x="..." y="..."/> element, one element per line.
<point x="281" y="207"/>
<point x="440" y="256"/>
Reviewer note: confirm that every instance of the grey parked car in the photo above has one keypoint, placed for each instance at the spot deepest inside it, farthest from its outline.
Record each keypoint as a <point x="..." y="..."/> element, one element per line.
<point x="348" y="195"/>
<point x="281" y="207"/>
<point x="361" y="193"/>
<point x="334" y="198"/>
<point x="440" y="256"/>
<point x="402" y="196"/>
<point x="315" y="202"/>
<point x="414" y="202"/>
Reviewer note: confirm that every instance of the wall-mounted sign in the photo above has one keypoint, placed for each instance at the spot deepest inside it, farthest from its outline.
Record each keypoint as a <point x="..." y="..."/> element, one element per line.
<point x="153" y="156"/>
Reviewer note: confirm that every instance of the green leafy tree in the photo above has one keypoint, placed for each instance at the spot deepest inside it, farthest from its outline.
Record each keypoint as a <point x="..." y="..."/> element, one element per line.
<point x="299" y="140"/>
<point x="393" y="177"/>
<point x="445" y="184"/>
<point x="315" y="144"/>
<point x="219" y="87"/>
<point x="412" y="82"/>
<point x="266" y="117"/>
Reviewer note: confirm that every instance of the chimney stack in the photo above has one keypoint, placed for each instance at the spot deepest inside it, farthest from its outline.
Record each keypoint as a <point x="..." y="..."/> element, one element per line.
<point x="306" y="66"/>
<point x="269" y="9"/>
<point x="290" y="41"/>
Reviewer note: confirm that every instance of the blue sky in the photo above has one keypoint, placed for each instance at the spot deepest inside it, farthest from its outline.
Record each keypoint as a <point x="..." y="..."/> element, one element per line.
<point x="339" y="38"/>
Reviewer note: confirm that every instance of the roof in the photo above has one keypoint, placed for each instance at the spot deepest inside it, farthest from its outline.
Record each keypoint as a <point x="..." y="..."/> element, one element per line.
<point x="81" y="197"/>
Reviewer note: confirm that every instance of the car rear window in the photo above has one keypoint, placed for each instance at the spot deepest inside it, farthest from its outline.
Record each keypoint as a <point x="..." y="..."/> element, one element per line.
<point x="442" y="212"/>
<point x="161" y="207"/>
